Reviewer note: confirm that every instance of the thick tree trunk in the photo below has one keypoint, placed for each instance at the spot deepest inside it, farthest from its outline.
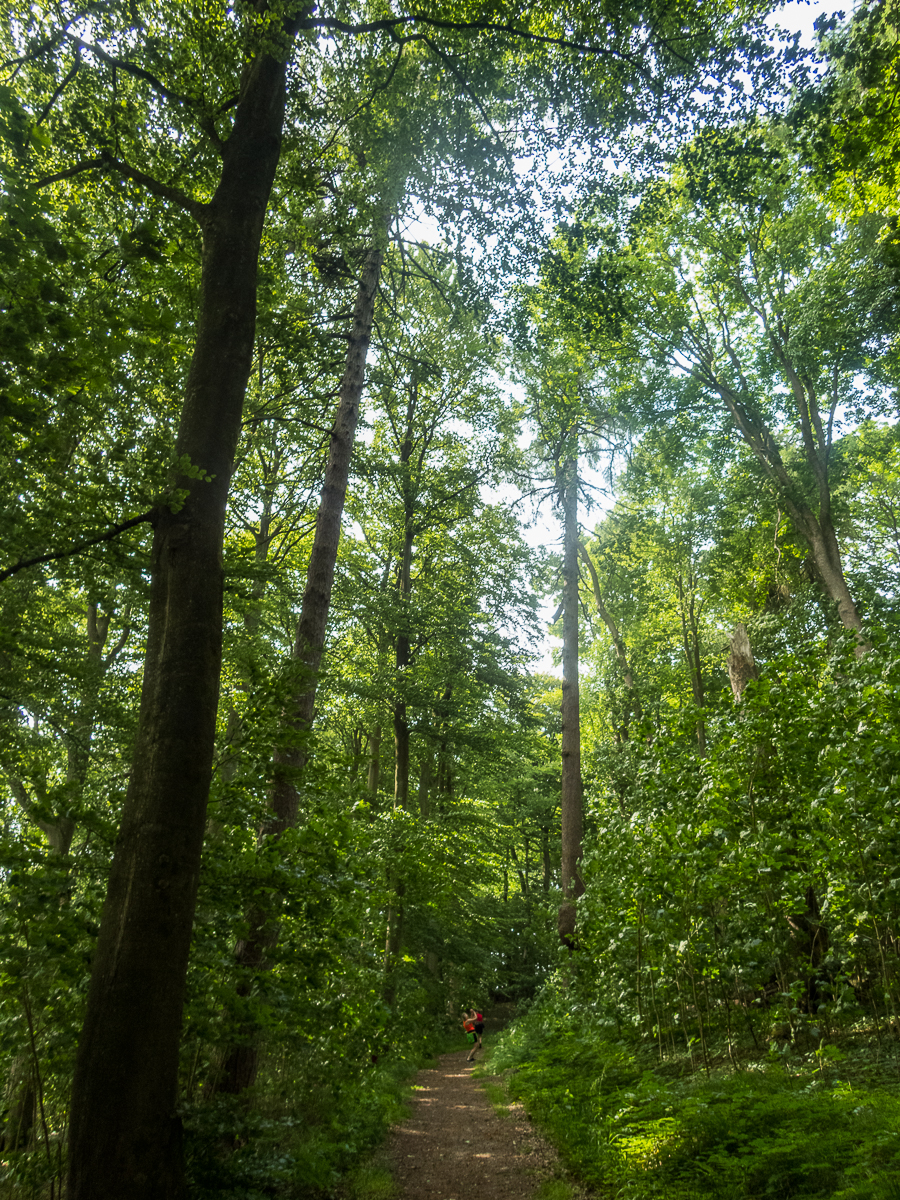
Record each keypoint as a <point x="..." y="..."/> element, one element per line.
<point x="125" y="1137"/>
<point x="826" y="556"/>
<point x="741" y="664"/>
<point x="242" y="1060"/>
<point x="571" y="798"/>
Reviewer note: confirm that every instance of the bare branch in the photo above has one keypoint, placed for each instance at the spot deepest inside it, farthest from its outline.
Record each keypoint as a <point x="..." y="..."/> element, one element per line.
<point x="107" y="536"/>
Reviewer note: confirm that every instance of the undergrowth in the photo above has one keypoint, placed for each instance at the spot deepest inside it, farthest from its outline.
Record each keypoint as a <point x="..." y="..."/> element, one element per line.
<point x="302" y="1141"/>
<point x="791" y="1125"/>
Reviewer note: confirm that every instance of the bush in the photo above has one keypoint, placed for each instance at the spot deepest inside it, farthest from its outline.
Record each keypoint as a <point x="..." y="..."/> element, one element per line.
<point x="761" y="1134"/>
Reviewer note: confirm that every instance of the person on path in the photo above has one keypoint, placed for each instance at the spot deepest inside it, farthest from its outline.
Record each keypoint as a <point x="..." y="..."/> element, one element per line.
<point x="474" y="1023"/>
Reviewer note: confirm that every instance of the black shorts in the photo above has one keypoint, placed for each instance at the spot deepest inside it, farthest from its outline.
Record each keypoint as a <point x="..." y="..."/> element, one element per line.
<point x="479" y="1029"/>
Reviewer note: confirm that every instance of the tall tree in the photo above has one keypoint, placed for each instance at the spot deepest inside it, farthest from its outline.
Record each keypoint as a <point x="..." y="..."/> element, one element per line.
<point x="124" y="1135"/>
<point x="752" y="306"/>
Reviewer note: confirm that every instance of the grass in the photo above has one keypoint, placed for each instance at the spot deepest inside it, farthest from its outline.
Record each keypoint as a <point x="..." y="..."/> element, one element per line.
<point x="817" y="1127"/>
<point x="371" y="1181"/>
<point x="496" y="1093"/>
<point x="554" y="1189"/>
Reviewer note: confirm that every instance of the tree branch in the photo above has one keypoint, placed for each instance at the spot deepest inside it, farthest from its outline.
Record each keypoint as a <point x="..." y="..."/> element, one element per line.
<point x="106" y="161"/>
<point x="89" y="164"/>
<point x="55" y="555"/>
<point x="122" y="64"/>
<point x="391" y="25"/>
<point x="60" y="88"/>
<point x="196" y="209"/>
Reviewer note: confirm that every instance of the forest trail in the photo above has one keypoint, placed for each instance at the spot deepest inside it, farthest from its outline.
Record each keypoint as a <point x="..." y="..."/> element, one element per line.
<point x="457" y="1146"/>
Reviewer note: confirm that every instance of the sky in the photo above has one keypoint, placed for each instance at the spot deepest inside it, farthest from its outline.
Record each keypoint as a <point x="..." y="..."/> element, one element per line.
<point x="797" y="16"/>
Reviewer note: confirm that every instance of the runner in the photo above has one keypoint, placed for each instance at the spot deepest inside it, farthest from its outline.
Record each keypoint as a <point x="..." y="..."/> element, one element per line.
<point x="474" y="1022"/>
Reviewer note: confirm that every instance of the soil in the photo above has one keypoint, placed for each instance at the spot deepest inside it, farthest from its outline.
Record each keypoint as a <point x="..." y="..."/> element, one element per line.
<point x="456" y="1146"/>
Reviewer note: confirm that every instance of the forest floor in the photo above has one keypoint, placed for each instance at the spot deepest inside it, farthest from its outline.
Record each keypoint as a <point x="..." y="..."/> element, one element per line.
<point x="464" y="1139"/>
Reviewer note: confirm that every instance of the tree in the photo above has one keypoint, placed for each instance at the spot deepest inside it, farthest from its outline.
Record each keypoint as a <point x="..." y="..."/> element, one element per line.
<point x="739" y="279"/>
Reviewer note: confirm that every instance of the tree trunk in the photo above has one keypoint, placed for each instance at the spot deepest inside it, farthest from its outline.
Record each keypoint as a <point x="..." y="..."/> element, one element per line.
<point x="357" y="742"/>
<point x="817" y="530"/>
<point x="826" y="556"/>
<point x="309" y="644"/>
<point x="393" y="944"/>
<point x="374" y="761"/>
<point x="426" y="776"/>
<point x="571" y="798"/>
<point x="690" y="632"/>
<point x="741" y="665"/>
<point x="20" y="1102"/>
<point x="125" y="1137"/>
<point x="395" y="916"/>
<point x="632" y="702"/>
<point x="242" y="1060"/>
<point x="404" y="588"/>
<point x="401" y="755"/>
<point x="60" y="831"/>
<point x="523" y="879"/>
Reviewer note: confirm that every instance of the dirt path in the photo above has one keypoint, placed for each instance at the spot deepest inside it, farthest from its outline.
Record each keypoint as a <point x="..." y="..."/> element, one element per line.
<point x="455" y="1146"/>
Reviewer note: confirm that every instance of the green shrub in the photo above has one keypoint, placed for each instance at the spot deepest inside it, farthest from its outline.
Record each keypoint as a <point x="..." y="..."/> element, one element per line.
<point x="762" y="1134"/>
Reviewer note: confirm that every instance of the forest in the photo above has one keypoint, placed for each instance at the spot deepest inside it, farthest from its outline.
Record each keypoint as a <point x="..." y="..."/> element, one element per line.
<point x="450" y="553"/>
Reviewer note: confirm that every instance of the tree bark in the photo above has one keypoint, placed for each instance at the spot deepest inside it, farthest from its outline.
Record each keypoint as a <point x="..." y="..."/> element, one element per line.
<point x="404" y="588"/>
<point x="393" y="944"/>
<point x="523" y="878"/>
<point x="20" y="1102"/>
<point x="426" y="778"/>
<point x="402" y="649"/>
<point x="374" y="761"/>
<point x="545" y="858"/>
<point x="690" y="633"/>
<point x="571" y="798"/>
<point x="401" y="755"/>
<point x="741" y="664"/>
<point x="309" y="643"/>
<point x="241" y="1062"/>
<point x="125" y="1137"/>
<point x="817" y="530"/>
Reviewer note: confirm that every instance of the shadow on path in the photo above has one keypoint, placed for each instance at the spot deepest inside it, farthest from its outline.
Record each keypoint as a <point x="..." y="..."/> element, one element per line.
<point x="456" y="1147"/>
